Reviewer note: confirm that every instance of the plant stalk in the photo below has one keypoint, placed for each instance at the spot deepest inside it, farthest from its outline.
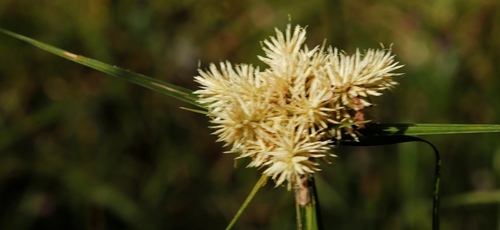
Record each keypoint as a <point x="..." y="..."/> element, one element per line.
<point x="307" y="205"/>
<point x="254" y="191"/>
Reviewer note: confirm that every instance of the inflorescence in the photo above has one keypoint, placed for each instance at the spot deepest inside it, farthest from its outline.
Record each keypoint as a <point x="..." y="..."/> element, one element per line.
<point x="290" y="114"/>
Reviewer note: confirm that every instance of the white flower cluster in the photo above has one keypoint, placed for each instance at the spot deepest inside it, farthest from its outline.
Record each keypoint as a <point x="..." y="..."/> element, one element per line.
<point x="286" y="116"/>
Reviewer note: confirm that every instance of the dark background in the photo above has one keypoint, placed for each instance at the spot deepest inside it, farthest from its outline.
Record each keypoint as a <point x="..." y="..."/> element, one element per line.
<point x="83" y="150"/>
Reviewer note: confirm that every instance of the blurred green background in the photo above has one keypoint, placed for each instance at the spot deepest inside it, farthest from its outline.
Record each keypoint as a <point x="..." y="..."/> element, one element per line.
<point x="82" y="150"/>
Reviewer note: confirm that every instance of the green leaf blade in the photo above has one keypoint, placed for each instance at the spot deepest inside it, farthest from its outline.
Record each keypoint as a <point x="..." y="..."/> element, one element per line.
<point x="172" y="90"/>
<point x="384" y="129"/>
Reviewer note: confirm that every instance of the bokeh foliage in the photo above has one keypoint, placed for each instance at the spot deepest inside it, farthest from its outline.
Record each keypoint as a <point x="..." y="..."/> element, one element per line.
<point x="81" y="150"/>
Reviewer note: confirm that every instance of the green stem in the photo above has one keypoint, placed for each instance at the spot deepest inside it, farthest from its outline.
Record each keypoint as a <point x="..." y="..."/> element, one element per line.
<point x="254" y="191"/>
<point x="317" y="209"/>
<point x="307" y="206"/>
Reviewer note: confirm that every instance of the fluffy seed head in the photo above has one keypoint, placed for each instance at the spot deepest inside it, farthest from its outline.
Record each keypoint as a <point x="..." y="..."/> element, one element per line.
<point x="285" y="116"/>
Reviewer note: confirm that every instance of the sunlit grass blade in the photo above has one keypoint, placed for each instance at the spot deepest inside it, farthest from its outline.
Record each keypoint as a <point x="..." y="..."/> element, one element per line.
<point x="427" y="129"/>
<point x="139" y="79"/>
<point x="473" y="198"/>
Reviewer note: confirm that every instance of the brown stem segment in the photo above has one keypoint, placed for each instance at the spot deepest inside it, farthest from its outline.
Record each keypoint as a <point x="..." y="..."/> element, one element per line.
<point x="307" y="205"/>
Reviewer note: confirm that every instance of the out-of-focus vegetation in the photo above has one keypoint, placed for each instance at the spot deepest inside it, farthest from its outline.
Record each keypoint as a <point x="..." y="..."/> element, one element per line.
<point x="81" y="150"/>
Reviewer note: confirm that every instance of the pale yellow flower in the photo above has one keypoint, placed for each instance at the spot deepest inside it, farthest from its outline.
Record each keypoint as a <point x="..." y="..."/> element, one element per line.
<point x="285" y="116"/>
<point x="295" y="153"/>
<point x="359" y="76"/>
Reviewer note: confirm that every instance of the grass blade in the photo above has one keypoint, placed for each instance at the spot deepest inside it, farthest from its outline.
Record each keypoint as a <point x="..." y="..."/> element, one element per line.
<point x="382" y="129"/>
<point x="139" y="79"/>
<point x="250" y="196"/>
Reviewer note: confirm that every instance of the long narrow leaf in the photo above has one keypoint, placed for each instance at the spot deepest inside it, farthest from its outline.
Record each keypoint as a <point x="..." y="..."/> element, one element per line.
<point x="249" y="198"/>
<point x="381" y="129"/>
<point x="145" y="81"/>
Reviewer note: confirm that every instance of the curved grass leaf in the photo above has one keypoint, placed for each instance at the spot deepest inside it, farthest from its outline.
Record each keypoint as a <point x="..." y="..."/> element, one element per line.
<point x="374" y="140"/>
<point x="139" y="79"/>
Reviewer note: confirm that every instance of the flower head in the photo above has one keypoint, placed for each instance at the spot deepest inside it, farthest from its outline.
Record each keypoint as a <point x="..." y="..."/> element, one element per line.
<point x="359" y="76"/>
<point x="285" y="116"/>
